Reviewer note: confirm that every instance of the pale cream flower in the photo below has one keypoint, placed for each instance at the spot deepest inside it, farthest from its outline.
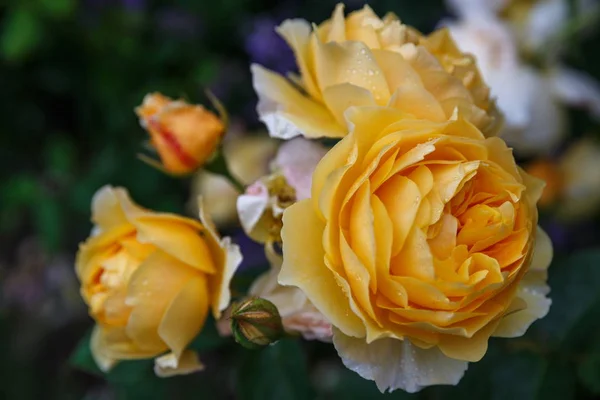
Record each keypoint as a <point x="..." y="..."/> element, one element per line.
<point x="248" y="159"/>
<point x="532" y="101"/>
<point x="260" y="208"/>
<point x="580" y="170"/>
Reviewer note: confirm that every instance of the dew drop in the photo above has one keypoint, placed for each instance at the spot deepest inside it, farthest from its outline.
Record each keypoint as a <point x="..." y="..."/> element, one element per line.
<point x="371" y="72"/>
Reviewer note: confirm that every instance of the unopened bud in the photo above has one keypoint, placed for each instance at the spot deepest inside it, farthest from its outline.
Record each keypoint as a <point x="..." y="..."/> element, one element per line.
<point x="184" y="135"/>
<point x="255" y="323"/>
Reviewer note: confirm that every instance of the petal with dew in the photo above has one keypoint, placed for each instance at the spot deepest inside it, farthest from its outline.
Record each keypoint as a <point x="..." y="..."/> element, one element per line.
<point x="304" y="267"/>
<point x="185" y="315"/>
<point x="398" y="364"/>
<point x="287" y="112"/>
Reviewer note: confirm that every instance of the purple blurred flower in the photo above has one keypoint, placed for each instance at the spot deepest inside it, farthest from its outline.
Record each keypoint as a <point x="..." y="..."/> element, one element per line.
<point x="558" y="233"/>
<point x="229" y="75"/>
<point x="266" y="47"/>
<point x="129" y="5"/>
<point x="134" y="5"/>
<point x="254" y="253"/>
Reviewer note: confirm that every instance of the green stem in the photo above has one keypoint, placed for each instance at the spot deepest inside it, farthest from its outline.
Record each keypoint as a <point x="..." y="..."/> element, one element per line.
<point x="219" y="166"/>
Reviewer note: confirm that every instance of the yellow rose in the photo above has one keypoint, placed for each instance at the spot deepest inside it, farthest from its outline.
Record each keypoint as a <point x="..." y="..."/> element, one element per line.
<point x="418" y="245"/>
<point x="363" y="60"/>
<point x="149" y="280"/>
<point x="184" y="135"/>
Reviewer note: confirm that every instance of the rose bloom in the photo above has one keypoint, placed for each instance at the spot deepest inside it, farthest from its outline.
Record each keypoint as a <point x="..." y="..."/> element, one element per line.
<point x="363" y="60"/>
<point x="149" y="280"/>
<point x="184" y="135"/>
<point x="418" y="243"/>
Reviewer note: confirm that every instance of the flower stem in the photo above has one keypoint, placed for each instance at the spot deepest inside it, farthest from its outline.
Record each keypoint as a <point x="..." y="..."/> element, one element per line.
<point x="218" y="165"/>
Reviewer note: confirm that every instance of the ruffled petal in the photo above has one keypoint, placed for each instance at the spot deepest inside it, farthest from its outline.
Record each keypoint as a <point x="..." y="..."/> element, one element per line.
<point x="533" y="290"/>
<point x="185" y="315"/>
<point x="107" y="211"/>
<point x="287" y="112"/>
<point x="398" y="364"/>
<point x="304" y="267"/>
<point x="152" y="287"/>
<point x="227" y="256"/>
<point x="103" y="361"/>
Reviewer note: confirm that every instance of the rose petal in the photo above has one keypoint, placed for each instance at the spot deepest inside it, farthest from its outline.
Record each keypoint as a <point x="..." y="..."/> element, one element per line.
<point x="185" y="315"/>
<point x="303" y="266"/>
<point x="169" y="365"/>
<point x="398" y="364"/>
<point x="152" y="287"/>
<point x="286" y="112"/>
<point x="225" y="254"/>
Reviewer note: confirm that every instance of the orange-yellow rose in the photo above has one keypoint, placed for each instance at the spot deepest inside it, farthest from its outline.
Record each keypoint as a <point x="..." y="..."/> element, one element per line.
<point x="184" y="135"/>
<point x="362" y="60"/>
<point x="418" y="245"/>
<point x="149" y="280"/>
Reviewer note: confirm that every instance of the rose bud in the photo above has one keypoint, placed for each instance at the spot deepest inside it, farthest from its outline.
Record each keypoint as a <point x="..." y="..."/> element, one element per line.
<point x="185" y="136"/>
<point x="256" y="323"/>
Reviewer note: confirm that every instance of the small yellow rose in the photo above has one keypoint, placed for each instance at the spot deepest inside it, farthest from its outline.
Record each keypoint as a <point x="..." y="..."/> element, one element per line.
<point x="184" y="135"/>
<point x="362" y="60"/>
<point x="417" y="244"/>
<point x="149" y="280"/>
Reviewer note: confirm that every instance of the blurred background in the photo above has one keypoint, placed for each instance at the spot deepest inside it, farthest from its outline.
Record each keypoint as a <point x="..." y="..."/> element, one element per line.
<point x="72" y="72"/>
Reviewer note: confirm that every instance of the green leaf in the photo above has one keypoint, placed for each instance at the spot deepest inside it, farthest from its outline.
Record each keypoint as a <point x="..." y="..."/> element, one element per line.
<point x="82" y="359"/>
<point x="559" y="381"/>
<point x="574" y="283"/>
<point x="278" y="372"/>
<point x="21" y="190"/>
<point x="209" y="339"/>
<point x="21" y="35"/>
<point x="49" y="222"/>
<point x="588" y="370"/>
<point x="59" y="157"/>
<point x="340" y="383"/>
<point x="517" y="376"/>
<point x="58" y="8"/>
